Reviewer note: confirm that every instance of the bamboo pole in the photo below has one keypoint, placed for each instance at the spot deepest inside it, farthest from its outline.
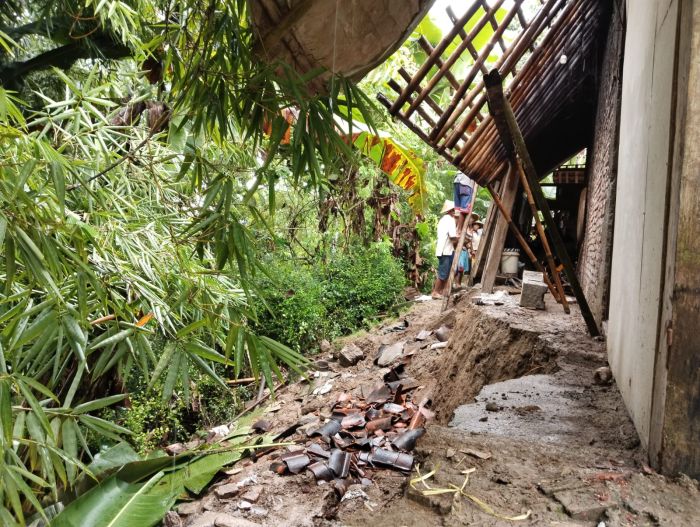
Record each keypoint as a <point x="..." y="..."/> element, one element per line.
<point x="498" y="102"/>
<point x="505" y="63"/>
<point x="543" y="237"/>
<point x="430" y="61"/>
<point x="460" y="49"/>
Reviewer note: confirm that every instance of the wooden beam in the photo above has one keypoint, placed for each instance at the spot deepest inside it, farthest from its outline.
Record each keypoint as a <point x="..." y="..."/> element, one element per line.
<point x="493" y="260"/>
<point x="501" y="110"/>
<point x="485" y="243"/>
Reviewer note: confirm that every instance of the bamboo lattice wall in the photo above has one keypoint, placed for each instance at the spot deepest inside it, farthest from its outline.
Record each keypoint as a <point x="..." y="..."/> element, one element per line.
<point x="538" y="80"/>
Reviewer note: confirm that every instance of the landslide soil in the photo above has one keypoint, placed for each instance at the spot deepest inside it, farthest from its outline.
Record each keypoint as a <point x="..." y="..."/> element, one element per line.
<point x="595" y="471"/>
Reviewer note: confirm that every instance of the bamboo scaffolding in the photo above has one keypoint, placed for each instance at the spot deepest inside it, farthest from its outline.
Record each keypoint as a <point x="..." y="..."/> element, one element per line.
<point x="457" y="53"/>
<point x="470" y="46"/>
<point x="428" y="48"/>
<point x="523" y="88"/>
<point x="430" y="61"/>
<point x="505" y="64"/>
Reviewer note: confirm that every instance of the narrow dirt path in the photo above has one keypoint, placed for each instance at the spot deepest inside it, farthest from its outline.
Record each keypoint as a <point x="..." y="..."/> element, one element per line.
<point x="517" y="412"/>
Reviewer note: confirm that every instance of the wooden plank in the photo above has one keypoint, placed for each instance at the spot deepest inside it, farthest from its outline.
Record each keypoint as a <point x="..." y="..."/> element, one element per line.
<point x="500" y="108"/>
<point x="493" y="260"/>
<point x="485" y="243"/>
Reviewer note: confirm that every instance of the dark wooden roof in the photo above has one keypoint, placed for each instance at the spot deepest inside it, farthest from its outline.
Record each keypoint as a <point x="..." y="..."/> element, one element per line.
<point x="550" y="76"/>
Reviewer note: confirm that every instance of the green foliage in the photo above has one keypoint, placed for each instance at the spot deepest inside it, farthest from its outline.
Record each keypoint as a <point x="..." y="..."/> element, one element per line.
<point x="152" y="422"/>
<point x="141" y="491"/>
<point x="359" y="285"/>
<point x="312" y="302"/>
<point x="297" y="315"/>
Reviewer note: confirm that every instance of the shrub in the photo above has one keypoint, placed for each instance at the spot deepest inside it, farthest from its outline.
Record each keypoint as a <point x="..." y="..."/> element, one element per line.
<point x="308" y="303"/>
<point x="296" y="316"/>
<point x="359" y="285"/>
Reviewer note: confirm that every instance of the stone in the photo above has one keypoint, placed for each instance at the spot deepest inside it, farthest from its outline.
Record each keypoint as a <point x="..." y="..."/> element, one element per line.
<point x="533" y="291"/>
<point x="228" y="491"/>
<point x="350" y="355"/>
<point x="252" y="494"/>
<point x="175" y="448"/>
<point x="190" y="507"/>
<point x="389" y="354"/>
<point x="423" y="334"/>
<point x="492" y="407"/>
<point x="172" y="519"/>
<point x="207" y="519"/>
<point x="258" y="511"/>
<point x="210" y="503"/>
<point x="533" y="276"/>
<point x="581" y="504"/>
<point x="228" y="520"/>
<point x="221" y="519"/>
<point x="442" y="333"/>
<point x="325" y="346"/>
<point x="603" y="376"/>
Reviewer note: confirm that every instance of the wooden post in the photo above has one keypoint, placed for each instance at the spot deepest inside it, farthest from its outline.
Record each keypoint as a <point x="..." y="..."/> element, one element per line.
<point x="511" y="135"/>
<point x="485" y="243"/>
<point x="493" y="260"/>
<point x="521" y="240"/>
<point x="545" y="242"/>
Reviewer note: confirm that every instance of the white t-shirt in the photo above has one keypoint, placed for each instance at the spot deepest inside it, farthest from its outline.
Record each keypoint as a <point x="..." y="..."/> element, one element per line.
<point x="446" y="229"/>
<point x="476" y="239"/>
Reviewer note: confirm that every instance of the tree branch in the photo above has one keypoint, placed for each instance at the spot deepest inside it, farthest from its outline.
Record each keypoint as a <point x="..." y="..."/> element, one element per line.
<point x="101" y="46"/>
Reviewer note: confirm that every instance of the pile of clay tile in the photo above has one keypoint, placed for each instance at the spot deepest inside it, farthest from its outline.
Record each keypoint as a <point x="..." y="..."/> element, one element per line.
<point x="377" y="428"/>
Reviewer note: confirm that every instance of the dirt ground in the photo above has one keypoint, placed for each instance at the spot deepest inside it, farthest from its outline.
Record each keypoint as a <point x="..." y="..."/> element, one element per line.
<point x="518" y="416"/>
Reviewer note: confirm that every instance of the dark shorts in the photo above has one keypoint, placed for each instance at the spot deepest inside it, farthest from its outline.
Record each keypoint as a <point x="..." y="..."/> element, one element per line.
<point x="462" y="196"/>
<point x="445" y="263"/>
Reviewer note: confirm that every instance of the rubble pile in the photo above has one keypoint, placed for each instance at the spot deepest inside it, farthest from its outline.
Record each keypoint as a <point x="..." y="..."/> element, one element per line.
<point x="374" y="428"/>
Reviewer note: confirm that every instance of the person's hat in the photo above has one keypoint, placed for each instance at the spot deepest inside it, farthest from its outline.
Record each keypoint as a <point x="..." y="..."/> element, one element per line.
<point x="447" y="206"/>
<point x="475" y="218"/>
<point x="479" y="222"/>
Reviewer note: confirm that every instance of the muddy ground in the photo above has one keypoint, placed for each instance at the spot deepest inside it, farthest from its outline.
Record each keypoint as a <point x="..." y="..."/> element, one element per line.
<point x="517" y="413"/>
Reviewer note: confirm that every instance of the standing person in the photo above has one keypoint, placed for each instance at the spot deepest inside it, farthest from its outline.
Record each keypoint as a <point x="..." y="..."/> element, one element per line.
<point x="477" y="231"/>
<point x="444" y="249"/>
<point x="463" y="190"/>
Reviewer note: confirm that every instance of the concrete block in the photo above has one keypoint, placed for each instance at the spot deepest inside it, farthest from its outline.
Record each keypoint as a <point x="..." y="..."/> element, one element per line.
<point x="532" y="294"/>
<point x="533" y="276"/>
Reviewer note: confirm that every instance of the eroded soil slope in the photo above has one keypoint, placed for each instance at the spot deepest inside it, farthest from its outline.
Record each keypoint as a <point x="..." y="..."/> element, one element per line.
<point x="528" y="427"/>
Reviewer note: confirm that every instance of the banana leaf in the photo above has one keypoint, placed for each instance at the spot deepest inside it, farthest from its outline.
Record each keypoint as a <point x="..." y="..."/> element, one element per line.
<point x="143" y="491"/>
<point x="403" y="167"/>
